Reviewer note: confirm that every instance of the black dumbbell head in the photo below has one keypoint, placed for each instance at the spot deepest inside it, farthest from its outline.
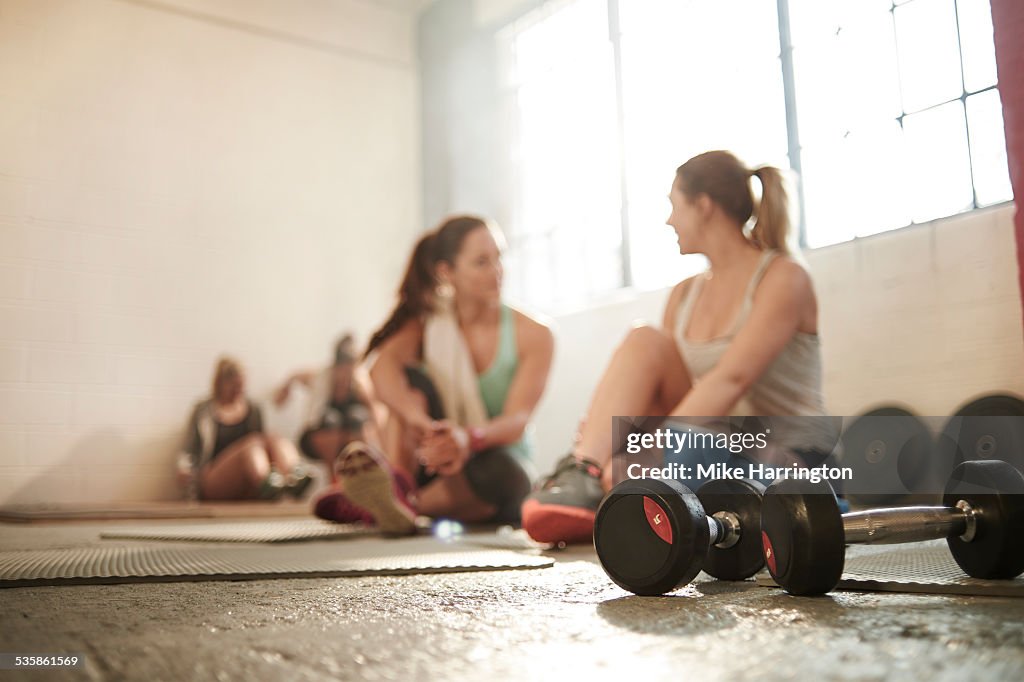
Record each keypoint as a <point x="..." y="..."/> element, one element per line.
<point x="991" y="427"/>
<point x="995" y="491"/>
<point x="651" y="535"/>
<point x="891" y="453"/>
<point x="743" y="499"/>
<point x="802" y="532"/>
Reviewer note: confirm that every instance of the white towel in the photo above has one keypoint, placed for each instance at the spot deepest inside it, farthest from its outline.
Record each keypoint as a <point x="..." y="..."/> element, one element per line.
<point x="450" y="367"/>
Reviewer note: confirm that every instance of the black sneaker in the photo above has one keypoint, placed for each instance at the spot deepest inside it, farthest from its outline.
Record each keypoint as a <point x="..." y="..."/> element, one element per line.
<point x="562" y="509"/>
<point x="272" y="486"/>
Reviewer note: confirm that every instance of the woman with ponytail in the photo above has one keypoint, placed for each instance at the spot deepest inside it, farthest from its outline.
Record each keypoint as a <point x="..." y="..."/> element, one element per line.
<point x="739" y="339"/>
<point x="460" y="373"/>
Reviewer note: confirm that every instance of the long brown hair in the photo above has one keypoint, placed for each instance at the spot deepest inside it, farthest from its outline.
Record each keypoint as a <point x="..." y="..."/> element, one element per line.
<point x="417" y="293"/>
<point x="726" y="181"/>
<point x="227" y="368"/>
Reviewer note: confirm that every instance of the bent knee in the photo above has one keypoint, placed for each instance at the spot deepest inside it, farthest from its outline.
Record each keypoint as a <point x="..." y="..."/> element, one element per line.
<point x="647" y="335"/>
<point x="497" y="478"/>
<point x="648" y="343"/>
<point x="255" y="464"/>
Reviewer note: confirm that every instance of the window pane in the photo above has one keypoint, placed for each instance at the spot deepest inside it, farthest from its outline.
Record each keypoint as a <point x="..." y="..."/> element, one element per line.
<point x="928" y="52"/>
<point x="853" y="186"/>
<point x="979" y="54"/>
<point x="844" y="62"/>
<point x="988" y="148"/>
<point x="938" y="164"/>
<point x="567" y="165"/>
<point x="697" y="75"/>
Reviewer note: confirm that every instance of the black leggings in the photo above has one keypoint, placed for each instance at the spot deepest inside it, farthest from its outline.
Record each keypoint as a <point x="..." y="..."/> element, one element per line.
<point x="495" y="475"/>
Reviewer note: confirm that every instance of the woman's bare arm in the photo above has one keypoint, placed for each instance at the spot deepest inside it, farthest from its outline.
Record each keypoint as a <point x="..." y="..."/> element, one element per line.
<point x="399" y="351"/>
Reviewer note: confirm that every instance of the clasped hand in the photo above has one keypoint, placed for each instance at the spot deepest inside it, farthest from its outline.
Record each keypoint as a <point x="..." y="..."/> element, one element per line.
<point x="444" y="448"/>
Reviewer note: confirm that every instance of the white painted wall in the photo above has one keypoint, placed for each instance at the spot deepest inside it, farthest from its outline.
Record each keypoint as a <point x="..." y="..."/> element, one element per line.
<point x="179" y="179"/>
<point x="928" y="316"/>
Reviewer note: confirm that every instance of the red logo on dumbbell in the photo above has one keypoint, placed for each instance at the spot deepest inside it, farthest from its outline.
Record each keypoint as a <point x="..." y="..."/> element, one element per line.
<point x="656" y="520"/>
<point x="769" y="552"/>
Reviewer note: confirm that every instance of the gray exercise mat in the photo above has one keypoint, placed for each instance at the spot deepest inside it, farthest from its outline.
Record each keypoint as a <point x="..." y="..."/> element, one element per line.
<point x="924" y="567"/>
<point x="243" y="531"/>
<point x="112" y="564"/>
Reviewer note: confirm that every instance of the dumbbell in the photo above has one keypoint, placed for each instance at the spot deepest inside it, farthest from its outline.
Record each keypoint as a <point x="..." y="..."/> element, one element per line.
<point x="990" y="427"/>
<point x="655" y="535"/>
<point x="892" y="454"/>
<point x="982" y="519"/>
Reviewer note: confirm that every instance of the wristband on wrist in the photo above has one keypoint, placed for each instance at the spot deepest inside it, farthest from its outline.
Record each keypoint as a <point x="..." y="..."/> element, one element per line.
<point x="476" y="439"/>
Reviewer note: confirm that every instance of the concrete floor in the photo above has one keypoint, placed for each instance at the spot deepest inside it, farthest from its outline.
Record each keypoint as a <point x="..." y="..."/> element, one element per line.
<point x="565" y="622"/>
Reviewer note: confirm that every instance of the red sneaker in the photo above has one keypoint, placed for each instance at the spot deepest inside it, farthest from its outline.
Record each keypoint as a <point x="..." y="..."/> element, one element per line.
<point x="562" y="510"/>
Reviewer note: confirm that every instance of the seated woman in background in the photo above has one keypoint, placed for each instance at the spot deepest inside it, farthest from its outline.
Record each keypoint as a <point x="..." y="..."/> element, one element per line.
<point x="739" y="339"/>
<point x="339" y="406"/>
<point x="232" y="457"/>
<point x="340" y="412"/>
<point x="461" y="373"/>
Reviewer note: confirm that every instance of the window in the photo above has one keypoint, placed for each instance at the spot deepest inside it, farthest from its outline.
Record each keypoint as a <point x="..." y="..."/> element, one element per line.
<point x="685" y="90"/>
<point x="899" y="118"/>
<point x="888" y="109"/>
<point x="565" y="240"/>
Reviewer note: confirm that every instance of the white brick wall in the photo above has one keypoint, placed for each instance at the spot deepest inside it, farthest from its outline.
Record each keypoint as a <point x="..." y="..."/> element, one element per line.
<point x="180" y="180"/>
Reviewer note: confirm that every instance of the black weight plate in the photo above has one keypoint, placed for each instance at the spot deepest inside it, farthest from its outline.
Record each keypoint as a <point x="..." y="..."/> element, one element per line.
<point x="651" y="535"/>
<point x="742" y="498"/>
<point x="802" y="534"/>
<point x="991" y="427"/>
<point x="890" y="451"/>
<point x="995" y="490"/>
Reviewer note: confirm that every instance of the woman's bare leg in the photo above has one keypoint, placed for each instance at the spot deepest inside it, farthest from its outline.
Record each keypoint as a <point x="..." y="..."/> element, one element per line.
<point x="282" y="453"/>
<point x="326" y="444"/>
<point x="448" y="496"/>
<point x="646" y="376"/>
<point x="238" y="472"/>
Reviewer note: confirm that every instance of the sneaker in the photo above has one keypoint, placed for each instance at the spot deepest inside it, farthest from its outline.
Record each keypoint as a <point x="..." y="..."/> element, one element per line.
<point x="297" y="482"/>
<point x="335" y="505"/>
<point x="272" y="486"/>
<point x="368" y="483"/>
<point x="562" y="510"/>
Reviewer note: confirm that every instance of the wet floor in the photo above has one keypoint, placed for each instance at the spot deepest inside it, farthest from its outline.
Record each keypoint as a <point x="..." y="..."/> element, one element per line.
<point x="565" y="622"/>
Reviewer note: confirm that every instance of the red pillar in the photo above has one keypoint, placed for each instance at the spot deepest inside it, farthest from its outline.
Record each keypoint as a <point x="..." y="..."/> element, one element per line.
<point x="1008" y="22"/>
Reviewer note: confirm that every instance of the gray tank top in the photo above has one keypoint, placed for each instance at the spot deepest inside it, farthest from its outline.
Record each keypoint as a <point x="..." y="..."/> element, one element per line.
<point x="789" y="386"/>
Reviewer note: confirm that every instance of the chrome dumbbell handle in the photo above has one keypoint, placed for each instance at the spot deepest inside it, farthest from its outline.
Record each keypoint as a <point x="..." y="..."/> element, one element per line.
<point x="909" y="524"/>
<point x="725" y="529"/>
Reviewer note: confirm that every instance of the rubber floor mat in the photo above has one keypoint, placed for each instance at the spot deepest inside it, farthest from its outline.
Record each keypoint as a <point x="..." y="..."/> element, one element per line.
<point x="112" y="564"/>
<point x="252" y="531"/>
<point x="925" y="567"/>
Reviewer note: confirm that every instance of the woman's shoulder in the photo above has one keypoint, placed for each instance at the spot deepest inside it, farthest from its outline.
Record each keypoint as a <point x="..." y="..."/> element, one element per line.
<point x="679" y="290"/>
<point x="531" y="328"/>
<point x="785" y="271"/>
<point x="409" y="335"/>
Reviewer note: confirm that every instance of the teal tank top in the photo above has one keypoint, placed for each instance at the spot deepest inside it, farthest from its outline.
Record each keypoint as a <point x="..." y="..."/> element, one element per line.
<point x="495" y="381"/>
